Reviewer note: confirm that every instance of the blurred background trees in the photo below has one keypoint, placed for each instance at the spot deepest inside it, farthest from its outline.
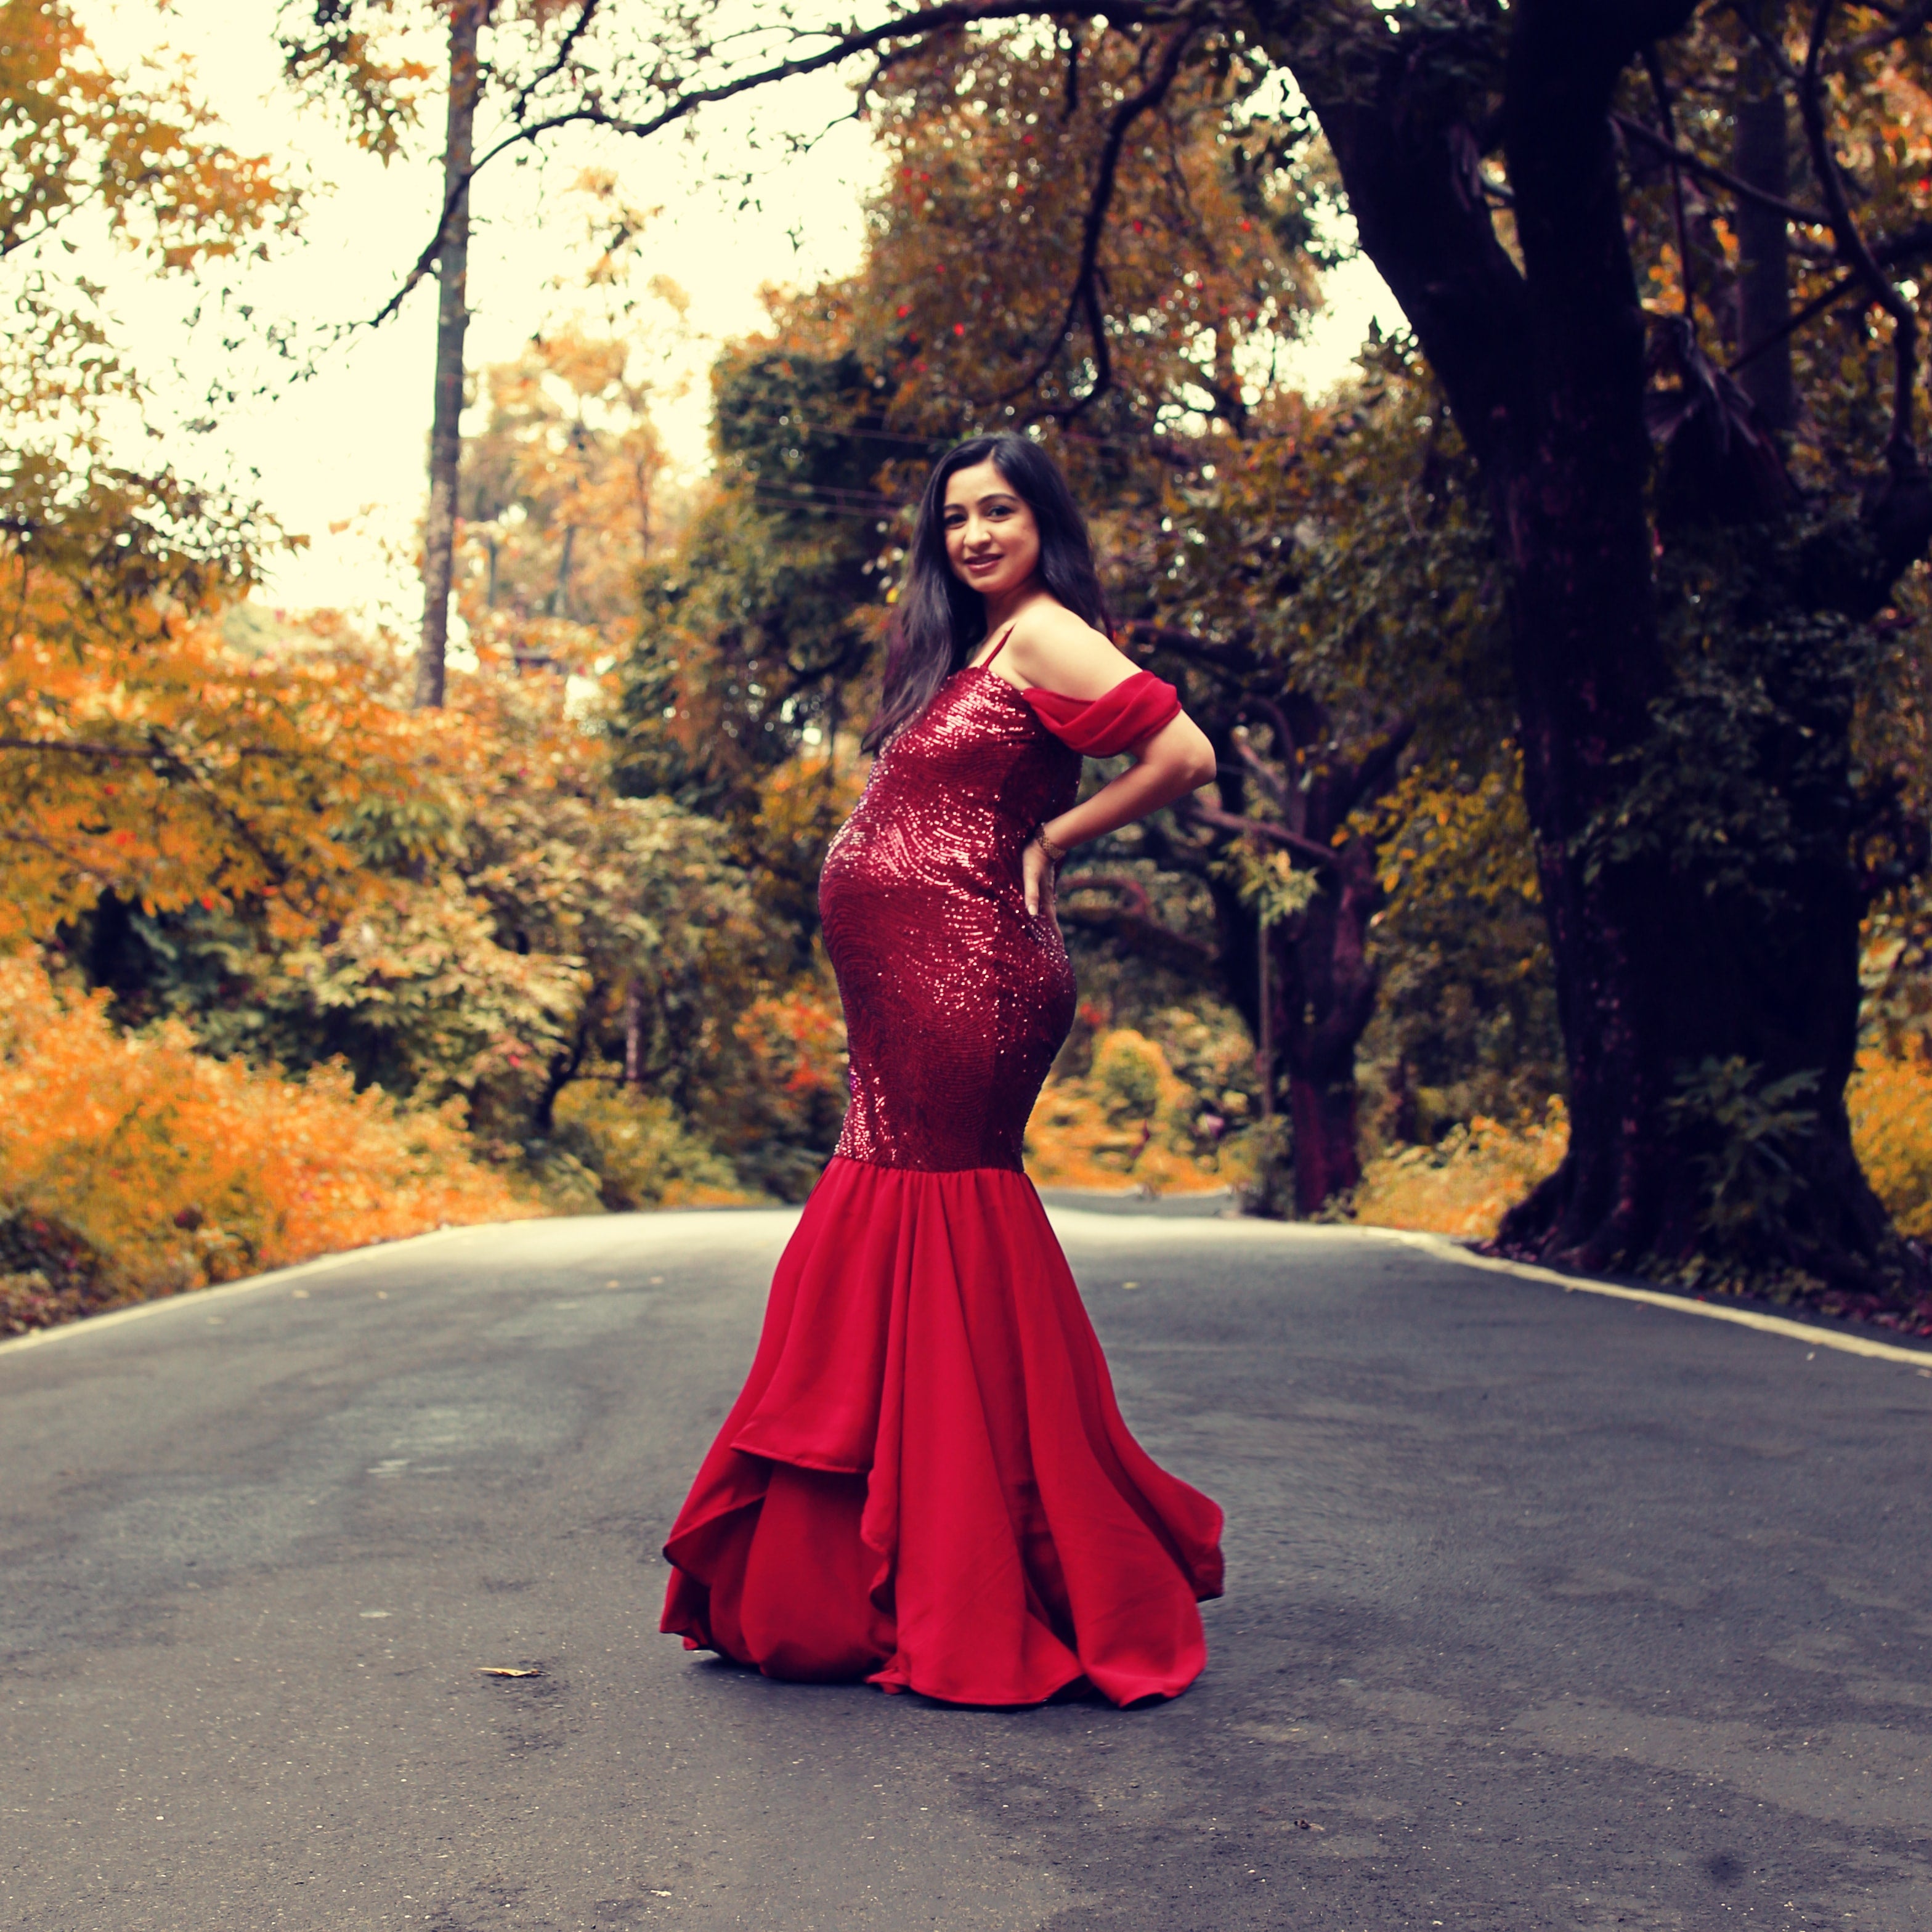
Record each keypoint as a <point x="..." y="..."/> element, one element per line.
<point x="565" y="928"/>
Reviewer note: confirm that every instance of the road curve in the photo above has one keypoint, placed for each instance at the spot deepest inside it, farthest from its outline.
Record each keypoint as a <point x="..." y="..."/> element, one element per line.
<point x="1544" y="1611"/>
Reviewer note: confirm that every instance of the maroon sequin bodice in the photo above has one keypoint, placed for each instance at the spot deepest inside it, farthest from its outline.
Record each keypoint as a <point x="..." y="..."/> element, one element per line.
<point x="956" y="1001"/>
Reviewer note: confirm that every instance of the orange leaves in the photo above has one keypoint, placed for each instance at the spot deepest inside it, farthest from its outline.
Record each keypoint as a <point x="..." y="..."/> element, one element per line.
<point x="140" y="754"/>
<point x="183" y="1170"/>
<point x="1465" y="1183"/>
<point x="1890" y="1100"/>
<point x="137" y="153"/>
<point x="797" y="1041"/>
<point x="137" y="147"/>
<point x="980" y="256"/>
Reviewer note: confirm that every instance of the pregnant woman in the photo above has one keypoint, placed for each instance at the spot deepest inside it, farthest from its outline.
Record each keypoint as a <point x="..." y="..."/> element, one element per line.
<point x="926" y="1482"/>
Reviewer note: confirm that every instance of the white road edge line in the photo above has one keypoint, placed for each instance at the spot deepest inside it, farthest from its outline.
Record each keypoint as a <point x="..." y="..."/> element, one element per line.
<point x="1444" y="1249"/>
<point x="1437" y="1245"/>
<point x="200" y="1298"/>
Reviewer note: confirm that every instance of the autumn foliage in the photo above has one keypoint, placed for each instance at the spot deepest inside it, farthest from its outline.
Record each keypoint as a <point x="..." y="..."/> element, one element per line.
<point x="133" y="1164"/>
<point x="286" y="965"/>
<point x="1463" y="1184"/>
<point x="146" y="758"/>
<point x="1130" y="1122"/>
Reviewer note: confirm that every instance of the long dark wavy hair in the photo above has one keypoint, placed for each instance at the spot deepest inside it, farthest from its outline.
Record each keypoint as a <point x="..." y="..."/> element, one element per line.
<point x="940" y="622"/>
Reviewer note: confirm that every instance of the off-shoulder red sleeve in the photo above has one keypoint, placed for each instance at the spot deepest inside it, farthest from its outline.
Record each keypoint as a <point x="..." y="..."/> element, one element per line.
<point x="1129" y="715"/>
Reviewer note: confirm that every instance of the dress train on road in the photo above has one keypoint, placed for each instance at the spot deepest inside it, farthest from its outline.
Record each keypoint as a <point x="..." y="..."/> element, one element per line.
<point x="926" y="1482"/>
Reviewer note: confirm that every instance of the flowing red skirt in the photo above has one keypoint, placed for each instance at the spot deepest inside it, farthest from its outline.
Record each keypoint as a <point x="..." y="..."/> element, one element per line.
<point x="926" y="1482"/>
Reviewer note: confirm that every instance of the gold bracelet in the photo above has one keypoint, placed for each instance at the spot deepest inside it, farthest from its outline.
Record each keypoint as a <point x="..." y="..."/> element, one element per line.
<point x="1056" y="855"/>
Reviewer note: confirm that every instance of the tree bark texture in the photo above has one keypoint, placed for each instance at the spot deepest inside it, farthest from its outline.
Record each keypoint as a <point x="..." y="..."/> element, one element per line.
<point x="1761" y="155"/>
<point x="1544" y="366"/>
<point x="452" y="323"/>
<point x="1325" y="997"/>
<point x="1305" y="984"/>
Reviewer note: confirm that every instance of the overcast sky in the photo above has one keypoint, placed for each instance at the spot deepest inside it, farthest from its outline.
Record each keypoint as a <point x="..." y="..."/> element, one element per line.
<point x="347" y="446"/>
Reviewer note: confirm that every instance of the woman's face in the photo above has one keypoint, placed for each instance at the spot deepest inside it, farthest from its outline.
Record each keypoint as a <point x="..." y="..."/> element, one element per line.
<point x="991" y="540"/>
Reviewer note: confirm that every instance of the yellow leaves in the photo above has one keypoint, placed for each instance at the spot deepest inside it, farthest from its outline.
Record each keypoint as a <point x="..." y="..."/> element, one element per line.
<point x="1890" y="1100"/>
<point x="183" y="1170"/>
<point x="1269" y="882"/>
<point x="645" y="1156"/>
<point x="1440" y="831"/>
<point x="1127" y="1122"/>
<point x="1464" y="1184"/>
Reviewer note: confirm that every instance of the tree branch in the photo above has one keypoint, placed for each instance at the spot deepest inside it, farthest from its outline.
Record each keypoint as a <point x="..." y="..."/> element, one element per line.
<point x="1895" y="250"/>
<point x="1193" y="810"/>
<point x="1723" y="177"/>
<point x="1136" y="894"/>
<point x="146" y="755"/>
<point x="681" y="107"/>
<point x="1653" y="65"/>
<point x="1085" y="295"/>
<point x="1135" y="923"/>
<point x="1231" y="660"/>
<point x="1901" y="449"/>
<point x="1371" y="775"/>
<point x="1911" y="20"/>
<point x="1283" y="795"/>
<point x="587" y="13"/>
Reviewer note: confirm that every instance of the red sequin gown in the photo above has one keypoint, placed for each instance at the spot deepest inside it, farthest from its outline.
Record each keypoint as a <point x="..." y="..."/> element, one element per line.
<point x="926" y="1481"/>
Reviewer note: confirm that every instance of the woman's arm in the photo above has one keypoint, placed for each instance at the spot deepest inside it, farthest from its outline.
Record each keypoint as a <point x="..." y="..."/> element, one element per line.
<point x="1054" y="651"/>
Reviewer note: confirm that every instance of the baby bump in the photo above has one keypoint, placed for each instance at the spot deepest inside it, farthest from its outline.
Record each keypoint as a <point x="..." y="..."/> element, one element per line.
<point x="955" y="1005"/>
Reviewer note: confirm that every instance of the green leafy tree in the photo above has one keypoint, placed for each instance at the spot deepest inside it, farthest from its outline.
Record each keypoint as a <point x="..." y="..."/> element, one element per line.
<point x="1542" y="192"/>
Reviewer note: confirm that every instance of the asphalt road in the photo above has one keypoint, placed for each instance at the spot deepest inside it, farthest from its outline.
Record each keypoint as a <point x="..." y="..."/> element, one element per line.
<point x="1543" y="1611"/>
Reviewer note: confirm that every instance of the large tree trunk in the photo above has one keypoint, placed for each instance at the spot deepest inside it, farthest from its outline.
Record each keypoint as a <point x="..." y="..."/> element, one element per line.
<point x="452" y="323"/>
<point x="1307" y="1010"/>
<point x="1664" y="972"/>
<point x="1327" y="997"/>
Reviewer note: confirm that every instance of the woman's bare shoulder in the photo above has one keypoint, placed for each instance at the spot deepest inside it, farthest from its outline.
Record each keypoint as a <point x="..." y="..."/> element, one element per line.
<point x="1054" y="650"/>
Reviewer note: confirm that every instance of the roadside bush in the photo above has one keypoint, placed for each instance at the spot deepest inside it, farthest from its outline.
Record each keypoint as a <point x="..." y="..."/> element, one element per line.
<point x="1891" y="1104"/>
<point x="1465" y="1183"/>
<point x="48" y="1274"/>
<point x="1130" y="1120"/>
<point x="642" y="1154"/>
<point x="151" y="1168"/>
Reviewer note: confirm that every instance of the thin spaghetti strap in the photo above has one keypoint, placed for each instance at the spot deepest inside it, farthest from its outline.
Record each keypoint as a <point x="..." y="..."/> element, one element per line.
<point x="985" y="664"/>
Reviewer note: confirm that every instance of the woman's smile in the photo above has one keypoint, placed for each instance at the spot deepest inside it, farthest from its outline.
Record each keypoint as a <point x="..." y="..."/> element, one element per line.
<point x="991" y="538"/>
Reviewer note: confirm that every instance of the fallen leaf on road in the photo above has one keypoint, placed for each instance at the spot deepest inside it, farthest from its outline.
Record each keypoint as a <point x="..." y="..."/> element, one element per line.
<point x="1302" y="1825"/>
<point x="506" y="1670"/>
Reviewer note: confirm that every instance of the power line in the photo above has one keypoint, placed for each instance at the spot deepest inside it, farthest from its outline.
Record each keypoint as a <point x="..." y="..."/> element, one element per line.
<point x="819" y="426"/>
<point x="804" y="502"/>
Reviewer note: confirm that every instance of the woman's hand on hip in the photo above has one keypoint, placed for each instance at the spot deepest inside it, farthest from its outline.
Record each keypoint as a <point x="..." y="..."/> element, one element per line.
<point x="1037" y="874"/>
